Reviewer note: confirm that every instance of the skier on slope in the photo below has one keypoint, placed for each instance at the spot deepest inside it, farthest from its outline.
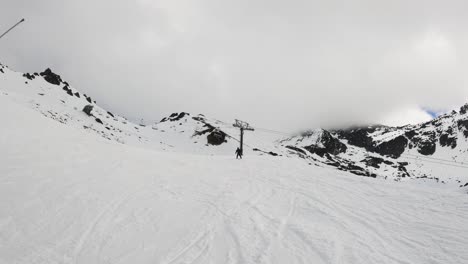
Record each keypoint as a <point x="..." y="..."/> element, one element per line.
<point x="238" y="153"/>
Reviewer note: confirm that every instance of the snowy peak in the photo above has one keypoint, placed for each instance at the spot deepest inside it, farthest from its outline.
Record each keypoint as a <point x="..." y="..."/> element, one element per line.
<point x="432" y="151"/>
<point x="52" y="96"/>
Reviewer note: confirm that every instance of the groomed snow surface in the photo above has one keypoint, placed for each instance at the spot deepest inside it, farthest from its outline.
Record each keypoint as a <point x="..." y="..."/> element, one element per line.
<point x="68" y="196"/>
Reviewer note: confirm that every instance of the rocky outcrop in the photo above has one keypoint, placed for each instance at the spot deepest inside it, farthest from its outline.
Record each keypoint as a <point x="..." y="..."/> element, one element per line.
<point x="392" y="148"/>
<point x="358" y="137"/>
<point x="51" y="77"/>
<point x="427" y="147"/>
<point x="448" y="139"/>
<point x="464" y="109"/>
<point x="463" y="126"/>
<point x="29" y="76"/>
<point x="375" y="162"/>
<point x="99" y="121"/>
<point x="328" y="144"/>
<point x="216" y="137"/>
<point x="88" y="109"/>
<point x="175" y="117"/>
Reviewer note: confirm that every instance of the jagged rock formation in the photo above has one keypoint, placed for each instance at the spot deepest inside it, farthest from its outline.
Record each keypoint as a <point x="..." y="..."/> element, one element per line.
<point x="371" y="151"/>
<point x="88" y="109"/>
<point x="216" y="137"/>
<point x="397" y="152"/>
<point x="51" y="77"/>
<point x="327" y="144"/>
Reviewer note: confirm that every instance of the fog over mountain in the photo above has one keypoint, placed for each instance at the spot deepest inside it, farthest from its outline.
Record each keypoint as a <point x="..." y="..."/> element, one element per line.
<point x="278" y="64"/>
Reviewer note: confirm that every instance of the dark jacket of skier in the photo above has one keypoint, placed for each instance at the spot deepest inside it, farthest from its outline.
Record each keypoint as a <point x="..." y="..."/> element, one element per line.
<point x="238" y="153"/>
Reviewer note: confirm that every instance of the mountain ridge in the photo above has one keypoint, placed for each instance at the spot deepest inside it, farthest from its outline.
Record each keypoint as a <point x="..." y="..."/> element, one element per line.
<point x="398" y="153"/>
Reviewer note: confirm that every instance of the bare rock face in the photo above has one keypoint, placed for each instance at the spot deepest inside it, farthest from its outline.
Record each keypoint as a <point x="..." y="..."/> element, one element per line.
<point x="358" y="137"/>
<point x="88" y="109"/>
<point x="427" y="147"/>
<point x="448" y="139"/>
<point x="216" y="137"/>
<point x="99" y="121"/>
<point x="329" y="144"/>
<point x="375" y="161"/>
<point x="51" y="77"/>
<point x="393" y="148"/>
<point x="463" y="126"/>
<point x="29" y="76"/>
<point x="464" y="109"/>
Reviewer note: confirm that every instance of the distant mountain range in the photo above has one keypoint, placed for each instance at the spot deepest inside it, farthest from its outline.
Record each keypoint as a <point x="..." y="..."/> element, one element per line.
<point x="435" y="151"/>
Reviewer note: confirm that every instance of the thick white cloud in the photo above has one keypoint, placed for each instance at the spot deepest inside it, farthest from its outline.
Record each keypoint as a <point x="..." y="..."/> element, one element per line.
<point x="278" y="64"/>
<point x="406" y="115"/>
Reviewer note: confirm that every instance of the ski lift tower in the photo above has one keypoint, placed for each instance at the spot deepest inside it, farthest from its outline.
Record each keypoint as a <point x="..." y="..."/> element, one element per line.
<point x="242" y="126"/>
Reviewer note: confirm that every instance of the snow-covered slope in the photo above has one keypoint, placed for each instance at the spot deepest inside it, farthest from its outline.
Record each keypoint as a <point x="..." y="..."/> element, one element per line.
<point x="435" y="151"/>
<point x="55" y="98"/>
<point x="180" y="132"/>
<point x="68" y="196"/>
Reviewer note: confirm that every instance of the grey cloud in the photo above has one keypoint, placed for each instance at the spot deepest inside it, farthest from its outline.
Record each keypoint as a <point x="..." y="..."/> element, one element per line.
<point x="278" y="64"/>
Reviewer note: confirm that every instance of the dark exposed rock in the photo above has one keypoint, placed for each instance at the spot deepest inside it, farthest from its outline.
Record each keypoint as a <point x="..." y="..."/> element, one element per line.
<point x="402" y="171"/>
<point x="463" y="126"/>
<point x="316" y="150"/>
<point x="410" y="134"/>
<point x="427" y="147"/>
<point x="109" y="113"/>
<point x="329" y="144"/>
<point x="392" y="148"/>
<point x="88" y="109"/>
<point x="198" y="118"/>
<point x="179" y="116"/>
<point x="99" y="121"/>
<point x="426" y="143"/>
<point x="29" y="76"/>
<point x="89" y="100"/>
<point x="266" y="152"/>
<point x="296" y="149"/>
<point x="69" y="92"/>
<point x="77" y="94"/>
<point x="216" y="137"/>
<point x="464" y="109"/>
<point x="447" y="139"/>
<point x="357" y="170"/>
<point x="358" y="137"/>
<point x="175" y="117"/>
<point x="375" y="161"/>
<point x="51" y="77"/>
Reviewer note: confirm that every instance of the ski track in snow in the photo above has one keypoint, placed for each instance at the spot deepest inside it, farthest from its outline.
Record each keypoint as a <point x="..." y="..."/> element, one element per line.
<point x="69" y="197"/>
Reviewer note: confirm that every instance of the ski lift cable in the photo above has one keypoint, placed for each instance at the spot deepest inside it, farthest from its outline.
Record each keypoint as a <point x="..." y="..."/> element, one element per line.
<point x="436" y="162"/>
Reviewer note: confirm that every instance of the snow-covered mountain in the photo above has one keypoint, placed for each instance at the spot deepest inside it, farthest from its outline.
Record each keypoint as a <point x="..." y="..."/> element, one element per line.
<point x="55" y="98"/>
<point x="77" y="190"/>
<point x="435" y="151"/>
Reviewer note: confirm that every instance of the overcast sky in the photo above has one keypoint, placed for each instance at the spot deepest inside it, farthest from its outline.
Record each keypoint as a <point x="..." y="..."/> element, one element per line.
<point x="277" y="64"/>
